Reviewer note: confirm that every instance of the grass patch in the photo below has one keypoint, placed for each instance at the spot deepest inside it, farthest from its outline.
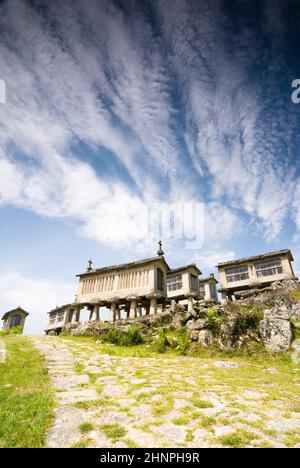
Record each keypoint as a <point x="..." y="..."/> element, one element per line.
<point x="78" y="367"/>
<point x="95" y="403"/>
<point x="295" y="295"/>
<point x="270" y="432"/>
<point x="12" y="331"/>
<point x="146" y="427"/>
<point x="291" y="439"/>
<point x="26" y="401"/>
<point x="163" y="406"/>
<point x="83" y="443"/>
<point x="113" y="431"/>
<point x="189" y="435"/>
<point x="130" y="443"/>
<point x="201" y="403"/>
<point x="237" y="439"/>
<point x="86" y="427"/>
<point x="207" y="422"/>
<point x="266" y="444"/>
<point x="180" y="420"/>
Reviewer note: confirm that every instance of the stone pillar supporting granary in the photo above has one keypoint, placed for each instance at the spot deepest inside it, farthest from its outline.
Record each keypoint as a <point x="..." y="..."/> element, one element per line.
<point x="96" y="312"/>
<point x="190" y="300"/>
<point x="114" y="309"/>
<point x="133" y="299"/>
<point x="154" y="296"/>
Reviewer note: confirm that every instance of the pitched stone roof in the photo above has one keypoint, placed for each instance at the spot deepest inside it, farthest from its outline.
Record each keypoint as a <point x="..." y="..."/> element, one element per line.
<point x="123" y="266"/>
<point x="18" y="309"/>
<point x="58" y="308"/>
<point x="259" y="257"/>
<point x="183" y="268"/>
<point x="208" y="278"/>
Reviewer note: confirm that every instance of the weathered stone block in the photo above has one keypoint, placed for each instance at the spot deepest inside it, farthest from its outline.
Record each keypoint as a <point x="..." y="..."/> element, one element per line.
<point x="276" y="334"/>
<point x="205" y="337"/>
<point x="197" y="324"/>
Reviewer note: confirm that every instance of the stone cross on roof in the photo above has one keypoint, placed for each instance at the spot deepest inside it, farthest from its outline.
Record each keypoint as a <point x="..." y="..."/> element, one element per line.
<point x="160" y="251"/>
<point x="90" y="267"/>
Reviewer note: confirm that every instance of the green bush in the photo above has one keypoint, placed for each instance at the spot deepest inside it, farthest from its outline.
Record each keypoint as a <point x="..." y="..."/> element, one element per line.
<point x="247" y="320"/>
<point x="174" y="339"/>
<point x="160" y="343"/>
<point x="214" y="321"/>
<point x="12" y="331"/>
<point x="131" y="337"/>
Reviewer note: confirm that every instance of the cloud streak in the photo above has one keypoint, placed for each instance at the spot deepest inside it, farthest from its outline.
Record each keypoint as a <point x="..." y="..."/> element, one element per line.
<point x="167" y="94"/>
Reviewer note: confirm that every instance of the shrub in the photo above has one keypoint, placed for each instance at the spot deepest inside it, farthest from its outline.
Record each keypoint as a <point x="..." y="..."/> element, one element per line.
<point x="131" y="337"/>
<point x="214" y="321"/>
<point x="237" y="439"/>
<point x="86" y="427"/>
<point x="246" y="320"/>
<point x="12" y="331"/>
<point x="113" y="431"/>
<point x="174" y="339"/>
<point x="160" y="343"/>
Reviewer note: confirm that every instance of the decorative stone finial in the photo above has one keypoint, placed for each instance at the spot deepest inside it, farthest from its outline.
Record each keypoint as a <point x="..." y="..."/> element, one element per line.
<point x="90" y="267"/>
<point x="160" y="251"/>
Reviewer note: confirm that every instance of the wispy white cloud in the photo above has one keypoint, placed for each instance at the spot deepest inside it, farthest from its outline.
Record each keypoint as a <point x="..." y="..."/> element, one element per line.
<point x="226" y="105"/>
<point x="209" y="259"/>
<point x="98" y="75"/>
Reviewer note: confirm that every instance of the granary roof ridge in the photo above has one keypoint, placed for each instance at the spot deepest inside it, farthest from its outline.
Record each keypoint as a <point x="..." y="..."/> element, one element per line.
<point x="185" y="267"/>
<point x="257" y="257"/>
<point x="14" y="310"/>
<point x="125" y="265"/>
<point x="201" y="280"/>
<point x="56" y="309"/>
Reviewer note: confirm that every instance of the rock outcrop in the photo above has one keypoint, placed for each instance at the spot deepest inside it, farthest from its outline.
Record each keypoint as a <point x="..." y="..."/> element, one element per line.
<point x="276" y="334"/>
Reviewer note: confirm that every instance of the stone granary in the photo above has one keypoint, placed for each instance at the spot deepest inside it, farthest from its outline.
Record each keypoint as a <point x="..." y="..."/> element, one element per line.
<point x="258" y="271"/>
<point x="14" y="318"/>
<point x="129" y="290"/>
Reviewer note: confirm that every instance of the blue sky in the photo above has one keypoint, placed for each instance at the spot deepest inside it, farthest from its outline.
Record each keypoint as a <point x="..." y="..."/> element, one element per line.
<point x="128" y="104"/>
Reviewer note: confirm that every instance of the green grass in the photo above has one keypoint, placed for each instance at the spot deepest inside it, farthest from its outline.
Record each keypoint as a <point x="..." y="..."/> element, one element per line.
<point x="26" y="401"/>
<point x="291" y="438"/>
<point x="295" y="295"/>
<point x="86" y="427"/>
<point x="162" y="406"/>
<point x="207" y="422"/>
<point x="130" y="443"/>
<point x="83" y="443"/>
<point x="238" y="439"/>
<point x="78" y="367"/>
<point x="180" y="420"/>
<point x="113" y="431"/>
<point x="104" y="401"/>
<point x="201" y="403"/>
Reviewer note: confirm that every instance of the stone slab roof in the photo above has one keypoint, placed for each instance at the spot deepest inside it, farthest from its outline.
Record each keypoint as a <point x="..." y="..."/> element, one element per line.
<point x="18" y="309"/>
<point x="184" y="268"/>
<point x="59" y="308"/>
<point x="124" y="266"/>
<point x="259" y="257"/>
<point x="208" y="278"/>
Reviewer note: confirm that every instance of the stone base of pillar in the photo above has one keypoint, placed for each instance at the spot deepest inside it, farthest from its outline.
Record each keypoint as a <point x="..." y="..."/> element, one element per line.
<point x="152" y="309"/>
<point x="132" y="312"/>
